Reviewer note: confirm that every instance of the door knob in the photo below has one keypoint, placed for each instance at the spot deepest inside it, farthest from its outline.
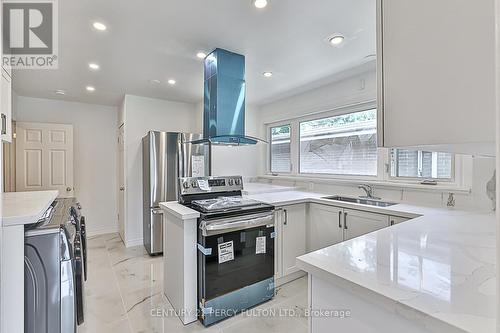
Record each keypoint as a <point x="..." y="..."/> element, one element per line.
<point x="68" y="189"/>
<point x="122" y="188"/>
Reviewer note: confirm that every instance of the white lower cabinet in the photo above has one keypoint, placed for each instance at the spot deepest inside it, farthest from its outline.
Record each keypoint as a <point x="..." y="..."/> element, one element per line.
<point x="291" y="242"/>
<point x="325" y="226"/>
<point x="358" y="223"/>
<point x="393" y="220"/>
<point x="301" y="229"/>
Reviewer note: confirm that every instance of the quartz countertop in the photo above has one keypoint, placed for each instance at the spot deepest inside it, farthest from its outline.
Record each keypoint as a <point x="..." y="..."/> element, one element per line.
<point x="441" y="264"/>
<point x="180" y="211"/>
<point x="20" y="208"/>
<point x="258" y="188"/>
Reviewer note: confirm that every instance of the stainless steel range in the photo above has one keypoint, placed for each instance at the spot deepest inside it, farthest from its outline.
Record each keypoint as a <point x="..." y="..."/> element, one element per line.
<point x="235" y="246"/>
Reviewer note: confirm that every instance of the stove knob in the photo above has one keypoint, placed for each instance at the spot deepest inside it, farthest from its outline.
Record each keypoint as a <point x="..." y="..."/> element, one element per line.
<point x="238" y="181"/>
<point x="185" y="185"/>
<point x="194" y="184"/>
<point x="231" y="182"/>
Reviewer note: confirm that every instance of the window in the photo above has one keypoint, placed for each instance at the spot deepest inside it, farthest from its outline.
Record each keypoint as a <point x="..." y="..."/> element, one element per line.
<point x="340" y="145"/>
<point x="280" y="149"/>
<point x="421" y="164"/>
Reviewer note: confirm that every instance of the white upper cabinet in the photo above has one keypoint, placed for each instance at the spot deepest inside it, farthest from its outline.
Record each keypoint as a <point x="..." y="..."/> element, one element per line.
<point x="5" y="95"/>
<point x="6" y="106"/>
<point x="436" y="74"/>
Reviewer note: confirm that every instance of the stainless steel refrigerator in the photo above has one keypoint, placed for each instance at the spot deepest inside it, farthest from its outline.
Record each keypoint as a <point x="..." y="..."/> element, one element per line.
<point x="166" y="157"/>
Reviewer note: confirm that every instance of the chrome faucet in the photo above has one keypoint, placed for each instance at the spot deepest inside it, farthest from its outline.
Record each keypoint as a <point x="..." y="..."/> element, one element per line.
<point x="369" y="192"/>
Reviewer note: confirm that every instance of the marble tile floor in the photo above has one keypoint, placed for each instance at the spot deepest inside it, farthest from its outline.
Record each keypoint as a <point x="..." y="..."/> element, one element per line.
<point x="124" y="295"/>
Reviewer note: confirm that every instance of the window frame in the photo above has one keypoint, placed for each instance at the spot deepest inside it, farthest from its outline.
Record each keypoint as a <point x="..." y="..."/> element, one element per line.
<point x="461" y="170"/>
<point x="451" y="180"/>
<point x="294" y="122"/>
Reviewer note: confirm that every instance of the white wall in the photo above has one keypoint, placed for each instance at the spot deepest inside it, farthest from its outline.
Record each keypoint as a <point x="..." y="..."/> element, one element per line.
<point x="358" y="88"/>
<point x="95" y="149"/>
<point x="242" y="160"/>
<point x="141" y="115"/>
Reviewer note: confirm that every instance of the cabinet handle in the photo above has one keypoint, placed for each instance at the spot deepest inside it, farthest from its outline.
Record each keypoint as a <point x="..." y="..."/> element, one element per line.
<point x="286" y="216"/>
<point x="340" y="218"/>
<point x="4" y="124"/>
<point x="345" y="220"/>
<point x="392" y="222"/>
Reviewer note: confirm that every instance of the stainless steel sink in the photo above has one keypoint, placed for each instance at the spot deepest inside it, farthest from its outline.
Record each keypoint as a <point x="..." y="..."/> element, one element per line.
<point x="361" y="201"/>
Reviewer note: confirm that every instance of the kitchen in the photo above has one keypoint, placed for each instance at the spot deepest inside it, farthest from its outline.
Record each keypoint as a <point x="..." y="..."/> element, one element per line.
<point x="334" y="175"/>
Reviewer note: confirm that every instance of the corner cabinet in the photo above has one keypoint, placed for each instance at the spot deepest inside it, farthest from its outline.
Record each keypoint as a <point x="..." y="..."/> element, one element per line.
<point x="358" y="223"/>
<point x="393" y="220"/>
<point x="291" y="242"/>
<point x="329" y="225"/>
<point x="436" y="74"/>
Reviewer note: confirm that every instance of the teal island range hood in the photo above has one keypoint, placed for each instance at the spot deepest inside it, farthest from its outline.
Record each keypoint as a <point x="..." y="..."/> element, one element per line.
<point x="224" y="99"/>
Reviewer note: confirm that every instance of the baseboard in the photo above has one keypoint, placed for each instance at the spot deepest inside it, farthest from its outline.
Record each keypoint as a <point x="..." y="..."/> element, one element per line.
<point x="289" y="278"/>
<point x="91" y="233"/>
<point x="133" y="242"/>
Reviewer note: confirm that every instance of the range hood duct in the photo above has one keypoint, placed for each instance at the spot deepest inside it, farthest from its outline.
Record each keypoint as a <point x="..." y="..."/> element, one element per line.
<point x="224" y="99"/>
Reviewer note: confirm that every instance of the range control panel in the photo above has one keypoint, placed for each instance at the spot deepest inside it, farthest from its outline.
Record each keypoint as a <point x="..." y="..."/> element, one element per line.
<point x="200" y="185"/>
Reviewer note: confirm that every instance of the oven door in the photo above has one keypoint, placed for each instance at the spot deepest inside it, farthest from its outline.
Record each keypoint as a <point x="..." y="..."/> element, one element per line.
<point x="234" y="253"/>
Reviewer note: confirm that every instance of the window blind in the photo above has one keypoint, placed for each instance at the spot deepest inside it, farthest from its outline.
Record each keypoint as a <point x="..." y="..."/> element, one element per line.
<point x="280" y="149"/>
<point x="343" y="145"/>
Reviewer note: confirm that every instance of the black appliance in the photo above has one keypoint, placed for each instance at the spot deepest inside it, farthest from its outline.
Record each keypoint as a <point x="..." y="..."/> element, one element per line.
<point x="235" y="246"/>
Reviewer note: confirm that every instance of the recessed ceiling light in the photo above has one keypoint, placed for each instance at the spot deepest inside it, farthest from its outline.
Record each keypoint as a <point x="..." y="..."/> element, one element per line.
<point x="93" y="66"/>
<point x="90" y="88"/>
<point x="267" y="74"/>
<point x="260" y="3"/>
<point x="336" y="40"/>
<point x="201" y="55"/>
<point x="99" y="26"/>
<point x="60" y="92"/>
<point x="171" y="82"/>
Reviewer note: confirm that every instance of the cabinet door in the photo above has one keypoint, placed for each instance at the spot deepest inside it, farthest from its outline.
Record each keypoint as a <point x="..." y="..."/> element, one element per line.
<point x="357" y="223"/>
<point x="437" y="63"/>
<point x="293" y="236"/>
<point x="325" y="226"/>
<point x="393" y="220"/>
<point x="6" y="106"/>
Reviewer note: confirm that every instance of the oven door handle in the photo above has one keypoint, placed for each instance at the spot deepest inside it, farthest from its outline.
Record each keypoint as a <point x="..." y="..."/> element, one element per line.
<point x="231" y="224"/>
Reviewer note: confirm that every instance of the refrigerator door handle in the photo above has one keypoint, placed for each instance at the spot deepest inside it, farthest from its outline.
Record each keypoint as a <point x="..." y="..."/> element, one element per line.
<point x="157" y="211"/>
<point x="182" y="163"/>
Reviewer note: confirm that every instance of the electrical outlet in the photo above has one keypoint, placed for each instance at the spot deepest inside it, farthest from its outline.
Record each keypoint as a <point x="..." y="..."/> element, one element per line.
<point x="362" y="84"/>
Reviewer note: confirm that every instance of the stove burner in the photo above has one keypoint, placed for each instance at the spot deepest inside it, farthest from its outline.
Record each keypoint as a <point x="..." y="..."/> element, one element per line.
<point x="224" y="203"/>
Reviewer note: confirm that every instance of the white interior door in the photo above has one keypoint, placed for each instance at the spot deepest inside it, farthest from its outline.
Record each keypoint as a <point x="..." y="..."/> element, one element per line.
<point x="121" y="183"/>
<point x="44" y="158"/>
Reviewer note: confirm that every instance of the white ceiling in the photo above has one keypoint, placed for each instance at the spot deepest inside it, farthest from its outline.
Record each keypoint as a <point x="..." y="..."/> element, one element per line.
<point x="159" y="39"/>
